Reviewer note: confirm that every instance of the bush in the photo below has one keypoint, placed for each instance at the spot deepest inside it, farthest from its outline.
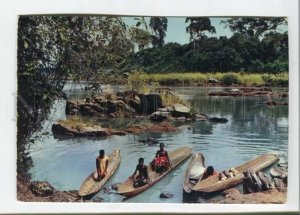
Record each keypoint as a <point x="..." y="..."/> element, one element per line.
<point x="229" y="79"/>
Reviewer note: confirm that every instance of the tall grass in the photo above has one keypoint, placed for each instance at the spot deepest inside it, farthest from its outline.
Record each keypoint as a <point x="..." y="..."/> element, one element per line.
<point x="202" y="78"/>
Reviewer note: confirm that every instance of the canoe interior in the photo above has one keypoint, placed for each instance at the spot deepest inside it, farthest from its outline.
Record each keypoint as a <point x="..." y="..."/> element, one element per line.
<point x="213" y="184"/>
<point x="176" y="157"/>
<point x="197" y="160"/>
<point x="90" y="185"/>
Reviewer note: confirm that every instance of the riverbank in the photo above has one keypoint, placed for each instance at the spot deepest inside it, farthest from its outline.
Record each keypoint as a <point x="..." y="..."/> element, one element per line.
<point x="234" y="79"/>
<point x="274" y="196"/>
<point x="24" y="193"/>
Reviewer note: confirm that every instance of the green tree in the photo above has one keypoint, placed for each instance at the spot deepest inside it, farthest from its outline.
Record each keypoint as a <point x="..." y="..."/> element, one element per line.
<point x="198" y="26"/>
<point x="254" y="26"/>
<point x="52" y="49"/>
<point x="159" y="27"/>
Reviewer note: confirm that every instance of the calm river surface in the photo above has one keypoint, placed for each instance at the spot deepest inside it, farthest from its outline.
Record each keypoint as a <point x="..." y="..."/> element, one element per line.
<point x="252" y="129"/>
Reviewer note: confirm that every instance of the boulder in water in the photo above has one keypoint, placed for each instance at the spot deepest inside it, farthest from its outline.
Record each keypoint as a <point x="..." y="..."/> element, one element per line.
<point x="181" y="111"/>
<point x="166" y="195"/>
<point x="41" y="188"/>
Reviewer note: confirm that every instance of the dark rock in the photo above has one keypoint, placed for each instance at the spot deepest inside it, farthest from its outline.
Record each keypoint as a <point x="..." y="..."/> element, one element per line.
<point x="41" y="188"/>
<point x="71" y="108"/>
<point x="267" y="183"/>
<point x="212" y="80"/>
<point x="273" y="103"/>
<point x="98" y="199"/>
<point x="217" y="120"/>
<point x="251" y="182"/>
<point x="150" y="141"/>
<point x="153" y="102"/>
<point x="159" y="116"/>
<point x="91" y="110"/>
<point x="142" y="109"/>
<point x="115" y="186"/>
<point x="134" y="104"/>
<point x="279" y="182"/>
<point x="166" y="195"/>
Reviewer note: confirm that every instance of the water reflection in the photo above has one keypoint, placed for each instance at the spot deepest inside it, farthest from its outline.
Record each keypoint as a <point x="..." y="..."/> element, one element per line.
<point x="252" y="129"/>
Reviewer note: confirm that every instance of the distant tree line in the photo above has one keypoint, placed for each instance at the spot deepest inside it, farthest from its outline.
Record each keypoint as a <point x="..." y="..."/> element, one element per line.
<point x="255" y="46"/>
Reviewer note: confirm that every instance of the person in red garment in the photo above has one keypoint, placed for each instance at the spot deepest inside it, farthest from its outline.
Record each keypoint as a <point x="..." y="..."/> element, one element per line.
<point x="161" y="162"/>
<point x="209" y="172"/>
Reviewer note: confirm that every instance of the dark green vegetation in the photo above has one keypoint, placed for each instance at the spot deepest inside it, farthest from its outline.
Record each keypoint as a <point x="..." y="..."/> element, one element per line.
<point x="254" y="47"/>
<point x="53" y="49"/>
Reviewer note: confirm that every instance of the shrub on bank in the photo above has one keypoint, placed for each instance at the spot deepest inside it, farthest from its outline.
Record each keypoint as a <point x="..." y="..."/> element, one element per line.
<point x="230" y="79"/>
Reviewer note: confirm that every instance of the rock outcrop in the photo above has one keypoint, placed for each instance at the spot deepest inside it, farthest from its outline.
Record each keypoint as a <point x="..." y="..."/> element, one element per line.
<point x="83" y="131"/>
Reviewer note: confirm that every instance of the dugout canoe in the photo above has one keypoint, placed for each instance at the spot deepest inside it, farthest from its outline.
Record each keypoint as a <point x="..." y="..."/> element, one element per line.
<point x="176" y="157"/>
<point x="213" y="184"/>
<point x="90" y="185"/>
<point x="193" y="172"/>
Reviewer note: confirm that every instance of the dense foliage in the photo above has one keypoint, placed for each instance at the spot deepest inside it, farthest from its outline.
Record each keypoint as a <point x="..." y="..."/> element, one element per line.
<point x="53" y="49"/>
<point x="237" y="53"/>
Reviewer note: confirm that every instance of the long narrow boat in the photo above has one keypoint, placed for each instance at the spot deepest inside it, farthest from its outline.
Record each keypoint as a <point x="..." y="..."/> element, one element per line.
<point x="176" y="157"/>
<point x="90" y="185"/>
<point x="213" y="184"/>
<point x="194" y="172"/>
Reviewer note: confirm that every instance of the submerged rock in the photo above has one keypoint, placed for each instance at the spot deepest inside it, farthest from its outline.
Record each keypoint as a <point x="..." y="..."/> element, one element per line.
<point x="166" y="195"/>
<point x="98" y="199"/>
<point x="273" y="103"/>
<point x="217" y="120"/>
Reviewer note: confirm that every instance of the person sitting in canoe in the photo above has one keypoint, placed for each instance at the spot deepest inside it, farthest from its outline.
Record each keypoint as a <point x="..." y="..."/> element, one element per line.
<point x="209" y="172"/>
<point x="142" y="178"/>
<point x="101" y="165"/>
<point x="161" y="162"/>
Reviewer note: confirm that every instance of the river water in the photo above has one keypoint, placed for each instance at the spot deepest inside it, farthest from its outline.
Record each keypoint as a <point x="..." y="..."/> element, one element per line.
<point x="252" y="129"/>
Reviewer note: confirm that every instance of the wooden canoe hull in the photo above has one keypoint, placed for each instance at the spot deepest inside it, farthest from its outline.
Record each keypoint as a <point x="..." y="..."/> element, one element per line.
<point x="198" y="161"/>
<point x="176" y="157"/>
<point x="212" y="184"/>
<point x="90" y="185"/>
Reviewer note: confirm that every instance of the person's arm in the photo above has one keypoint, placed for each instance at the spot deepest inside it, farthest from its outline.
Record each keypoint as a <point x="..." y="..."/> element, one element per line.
<point x="98" y="167"/>
<point x="134" y="172"/>
<point x="146" y="174"/>
<point x="157" y="154"/>
<point x="106" y="166"/>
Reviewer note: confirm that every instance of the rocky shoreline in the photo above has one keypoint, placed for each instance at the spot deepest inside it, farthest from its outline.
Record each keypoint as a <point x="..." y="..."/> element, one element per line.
<point x="273" y="196"/>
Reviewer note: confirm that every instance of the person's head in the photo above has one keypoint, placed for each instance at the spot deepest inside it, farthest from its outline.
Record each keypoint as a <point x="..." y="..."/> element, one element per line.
<point x="161" y="146"/>
<point x="141" y="161"/>
<point x="210" y="170"/>
<point x="101" y="153"/>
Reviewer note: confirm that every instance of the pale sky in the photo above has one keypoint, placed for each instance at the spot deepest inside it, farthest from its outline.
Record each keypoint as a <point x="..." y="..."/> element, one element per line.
<point x="176" y="28"/>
